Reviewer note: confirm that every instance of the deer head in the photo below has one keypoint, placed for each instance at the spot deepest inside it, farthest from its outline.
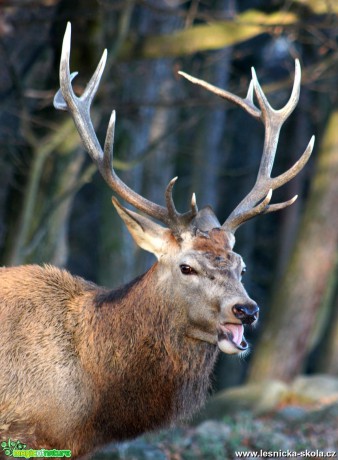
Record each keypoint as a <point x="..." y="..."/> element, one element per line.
<point x="196" y="262"/>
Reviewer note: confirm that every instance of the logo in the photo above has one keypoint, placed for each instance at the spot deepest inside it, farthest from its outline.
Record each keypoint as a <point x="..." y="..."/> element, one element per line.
<point x="10" y="446"/>
<point x="17" y="449"/>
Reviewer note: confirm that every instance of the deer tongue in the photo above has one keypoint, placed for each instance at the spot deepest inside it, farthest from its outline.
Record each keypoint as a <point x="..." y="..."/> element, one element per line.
<point x="234" y="332"/>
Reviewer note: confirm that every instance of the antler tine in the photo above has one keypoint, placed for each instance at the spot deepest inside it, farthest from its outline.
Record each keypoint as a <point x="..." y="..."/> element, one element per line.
<point x="194" y="208"/>
<point x="246" y="104"/>
<point x="79" y="108"/>
<point x="178" y="220"/>
<point x="93" y="84"/>
<point x="65" y="98"/>
<point x="169" y="199"/>
<point x="253" y="212"/>
<point x="296" y="168"/>
<point x="278" y="206"/>
<point x="274" y="119"/>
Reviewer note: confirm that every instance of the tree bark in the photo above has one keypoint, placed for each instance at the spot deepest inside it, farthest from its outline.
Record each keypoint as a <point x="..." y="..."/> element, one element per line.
<point x="285" y="341"/>
<point x="330" y="360"/>
<point x="327" y="358"/>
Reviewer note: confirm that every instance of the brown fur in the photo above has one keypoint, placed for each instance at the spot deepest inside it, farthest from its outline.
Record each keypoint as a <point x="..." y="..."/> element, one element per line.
<point x="217" y="242"/>
<point x="82" y="366"/>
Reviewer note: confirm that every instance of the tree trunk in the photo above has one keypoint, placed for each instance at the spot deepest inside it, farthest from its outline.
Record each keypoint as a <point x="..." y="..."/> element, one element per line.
<point x="285" y="341"/>
<point x="327" y="358"/>
<point x="330" y="360"/>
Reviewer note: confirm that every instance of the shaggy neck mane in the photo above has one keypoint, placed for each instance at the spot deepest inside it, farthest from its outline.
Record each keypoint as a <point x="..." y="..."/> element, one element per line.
<point x="161" y="375"/>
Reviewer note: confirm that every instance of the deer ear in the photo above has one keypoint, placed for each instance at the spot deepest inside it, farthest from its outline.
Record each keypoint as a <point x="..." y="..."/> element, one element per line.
<point x="147" y="234"/>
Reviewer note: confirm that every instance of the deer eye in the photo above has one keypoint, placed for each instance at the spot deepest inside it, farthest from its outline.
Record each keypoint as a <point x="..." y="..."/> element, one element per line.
<point x="187" y="270"/>
<point x="243" y="271"/>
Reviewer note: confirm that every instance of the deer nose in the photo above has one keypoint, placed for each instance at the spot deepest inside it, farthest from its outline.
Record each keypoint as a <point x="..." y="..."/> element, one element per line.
<point x="247" y="313"/>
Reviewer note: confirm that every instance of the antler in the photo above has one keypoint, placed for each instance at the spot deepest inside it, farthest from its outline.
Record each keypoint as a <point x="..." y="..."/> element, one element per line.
<point x="79" y="108"/>
<point x="273" y="120"/>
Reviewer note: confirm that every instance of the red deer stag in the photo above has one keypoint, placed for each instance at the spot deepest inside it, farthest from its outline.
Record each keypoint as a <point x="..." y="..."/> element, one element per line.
<point x="82" y="365"/>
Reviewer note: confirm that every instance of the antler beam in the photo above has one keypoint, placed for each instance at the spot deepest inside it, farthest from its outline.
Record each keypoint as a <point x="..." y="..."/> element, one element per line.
<point x="273" y="120"/>
<point x="79" y="108"/>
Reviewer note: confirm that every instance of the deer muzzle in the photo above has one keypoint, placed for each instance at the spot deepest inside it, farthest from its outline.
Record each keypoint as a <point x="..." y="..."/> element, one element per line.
<point x="231" y="338"/>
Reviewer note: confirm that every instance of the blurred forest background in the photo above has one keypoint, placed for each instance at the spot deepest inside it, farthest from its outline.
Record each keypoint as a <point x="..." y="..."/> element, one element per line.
<point x="55" y="208"/>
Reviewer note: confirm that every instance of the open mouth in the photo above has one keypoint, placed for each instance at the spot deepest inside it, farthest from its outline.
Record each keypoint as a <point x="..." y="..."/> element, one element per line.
<point x="231" y="338"/>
